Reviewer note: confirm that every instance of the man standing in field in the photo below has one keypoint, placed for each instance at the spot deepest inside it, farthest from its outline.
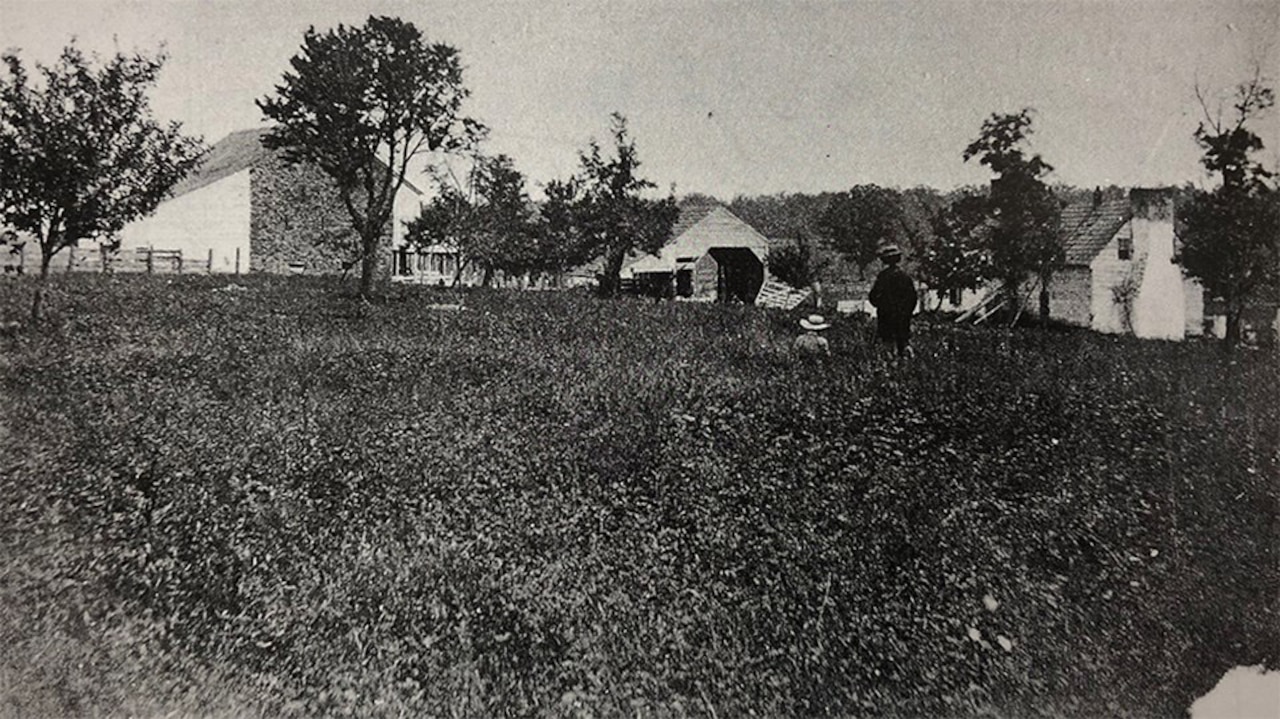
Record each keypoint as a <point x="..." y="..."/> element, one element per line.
<point x="894" y="297"/>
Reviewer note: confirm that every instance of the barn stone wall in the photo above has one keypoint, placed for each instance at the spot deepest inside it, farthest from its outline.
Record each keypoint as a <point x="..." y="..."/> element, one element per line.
<point x="299" y="224"/>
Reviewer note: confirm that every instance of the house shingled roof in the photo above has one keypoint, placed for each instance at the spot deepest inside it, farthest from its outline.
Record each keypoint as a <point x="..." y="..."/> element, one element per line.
<point x="1087" y="228"/>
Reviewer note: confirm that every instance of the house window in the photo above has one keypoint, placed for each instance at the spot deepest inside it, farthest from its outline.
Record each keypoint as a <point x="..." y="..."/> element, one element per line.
<point x="1125" y="246"/>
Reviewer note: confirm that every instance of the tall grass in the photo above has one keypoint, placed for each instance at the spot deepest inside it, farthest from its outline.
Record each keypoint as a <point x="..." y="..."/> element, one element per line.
<point x="283" y="500"/>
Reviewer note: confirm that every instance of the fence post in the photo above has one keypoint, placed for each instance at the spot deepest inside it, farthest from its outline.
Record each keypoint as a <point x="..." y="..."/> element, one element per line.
<point x="71" y="257"/>
<point x="151" y="261"/>
<point x="237" y="262"/>
<point x="210" y="265"/>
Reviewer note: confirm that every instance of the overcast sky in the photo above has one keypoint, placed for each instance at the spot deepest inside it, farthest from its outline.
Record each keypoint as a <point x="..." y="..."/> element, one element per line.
<point x="744" y="97"/>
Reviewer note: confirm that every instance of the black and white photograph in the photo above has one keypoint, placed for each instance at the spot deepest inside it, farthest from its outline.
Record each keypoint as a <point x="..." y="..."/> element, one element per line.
<point x="646" y="359"/>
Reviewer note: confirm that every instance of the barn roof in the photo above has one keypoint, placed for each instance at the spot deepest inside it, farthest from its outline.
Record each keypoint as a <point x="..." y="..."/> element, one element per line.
<point x="1087" y="228"/>
<point x="234" y="153"/>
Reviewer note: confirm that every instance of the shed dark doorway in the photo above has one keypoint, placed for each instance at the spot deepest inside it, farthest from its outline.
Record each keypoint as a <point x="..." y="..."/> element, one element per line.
<point x="740" y="274"/>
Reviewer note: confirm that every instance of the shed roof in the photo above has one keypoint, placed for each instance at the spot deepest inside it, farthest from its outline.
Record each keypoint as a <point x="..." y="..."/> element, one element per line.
<point x="699" y="227"/>
<point x="1087" y="228"/>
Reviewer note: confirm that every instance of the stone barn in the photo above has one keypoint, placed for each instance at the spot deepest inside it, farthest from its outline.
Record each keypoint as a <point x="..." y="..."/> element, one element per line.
<point x="711" y="256"/>
<point x="1120" y="274"/>
<point x="245" y="209"/>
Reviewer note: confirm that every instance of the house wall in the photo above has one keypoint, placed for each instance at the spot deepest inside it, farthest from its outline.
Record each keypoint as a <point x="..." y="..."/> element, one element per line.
<point x="405" y="208"/>
<point x="298" y="222"/>
<point x="1107" y="271"/>
<point x="434" y="265"/>
<point x="1070" y="296"/>
<point x="1159" y="311"/>
<point x="214" y="217"/>
<point x="1193" y="306"/>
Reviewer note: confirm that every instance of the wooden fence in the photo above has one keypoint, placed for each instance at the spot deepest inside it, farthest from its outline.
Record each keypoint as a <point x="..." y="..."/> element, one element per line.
<point x="149" y="260"/>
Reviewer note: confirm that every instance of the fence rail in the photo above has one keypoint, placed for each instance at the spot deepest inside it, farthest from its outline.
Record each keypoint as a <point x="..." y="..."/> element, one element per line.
<point x="149" y="260"/>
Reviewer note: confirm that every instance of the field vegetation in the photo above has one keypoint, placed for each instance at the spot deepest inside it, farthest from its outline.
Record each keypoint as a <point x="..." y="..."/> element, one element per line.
<point x="275" y="499"/>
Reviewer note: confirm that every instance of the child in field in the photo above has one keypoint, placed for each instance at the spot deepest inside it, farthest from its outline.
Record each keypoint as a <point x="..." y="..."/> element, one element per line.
<point x="812" y="344"/>
<point x="894" y="297"/>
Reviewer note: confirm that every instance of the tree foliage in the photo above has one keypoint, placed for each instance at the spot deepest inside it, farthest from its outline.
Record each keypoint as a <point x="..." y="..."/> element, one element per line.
<point x="798" y="263"/>
<point x="856" y="223"/>
<point x="608" y="216"/>
<point x="957" y="257"/>
<point x="784" y="214"/>
<point x="363" y="102"/>
<point x="1231" y="234"/>
<point x="561" y="243"/>
<point x="80" y="153"/>
<point x="487" y="218"/>
<point x="1024" y="239"/>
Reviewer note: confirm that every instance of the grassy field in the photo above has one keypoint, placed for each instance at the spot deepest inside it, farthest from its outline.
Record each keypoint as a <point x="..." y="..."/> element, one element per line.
<point x="283" y="501"/>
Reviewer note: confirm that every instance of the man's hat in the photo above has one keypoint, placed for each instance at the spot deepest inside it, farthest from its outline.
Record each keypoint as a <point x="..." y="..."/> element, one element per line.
<point x="814" y="322"/>
<point x="889" y="251"/>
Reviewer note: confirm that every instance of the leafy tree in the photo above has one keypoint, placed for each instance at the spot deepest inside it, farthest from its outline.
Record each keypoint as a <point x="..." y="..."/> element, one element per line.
<point x="487" y="218"/>
<point x="1024" y="240"/>
<point x="856" y="223"/>
<point x="783" y="214"/>
<point x="956" y="257"/>
<point x="80" y="153"/>
<point x="798" y="263"/>
<point x="610" y="217"/>
<point x="561" y="242"/>
<point x="363" y="102"/>
<point x="1230" y="234"/>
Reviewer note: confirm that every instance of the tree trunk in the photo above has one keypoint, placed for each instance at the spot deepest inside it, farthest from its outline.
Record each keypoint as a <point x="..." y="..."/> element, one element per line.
<point x="1044" y="304"/>
<point x="368" y="265"/>
<point x="37" y="303"/>
<point x="611" y="280"/>
<point x="487" y="280"/>
<point x="1232" y="338"/>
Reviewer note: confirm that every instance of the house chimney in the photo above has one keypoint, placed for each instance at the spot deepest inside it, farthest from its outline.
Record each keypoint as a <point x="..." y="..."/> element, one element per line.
<point x="1151" y="203"/>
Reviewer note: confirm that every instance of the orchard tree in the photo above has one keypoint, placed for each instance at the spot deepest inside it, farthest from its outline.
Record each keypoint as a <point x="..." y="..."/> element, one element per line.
<point x="362" y="103"/>
<point x="856" y="223"/>
<point x="1230" y="234"/>
<point x="80" y="153"/>
<point x="561" y="243"/>
<point x="956" y="257"/>
<point x="798" y="263"/>
<point x="487" y="218"/>
<point x="1024" y="239"/>
<point x="611" y="218"/>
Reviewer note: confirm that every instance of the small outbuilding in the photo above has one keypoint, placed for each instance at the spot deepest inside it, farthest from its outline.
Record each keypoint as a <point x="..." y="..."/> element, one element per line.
<point x="712" y="255"/>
